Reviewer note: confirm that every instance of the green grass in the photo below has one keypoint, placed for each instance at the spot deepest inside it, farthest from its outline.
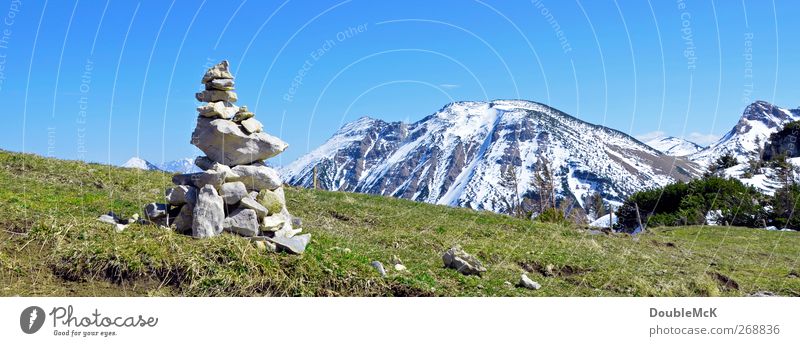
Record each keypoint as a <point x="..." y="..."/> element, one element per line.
<point x="52" y="245"/>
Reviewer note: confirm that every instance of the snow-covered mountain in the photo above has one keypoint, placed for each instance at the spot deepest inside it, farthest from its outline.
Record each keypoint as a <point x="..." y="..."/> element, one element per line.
<point x="674" y="146"/>
<point x="456" y="157"/>
<point x="759" y="120"/>
<point x="139" y="163"/>
<point x="185" y="165"/>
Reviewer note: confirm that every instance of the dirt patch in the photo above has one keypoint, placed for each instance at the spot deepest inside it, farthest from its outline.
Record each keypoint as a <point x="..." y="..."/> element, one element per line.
<point x="338" y="216"/>
<point x="400" y="290"/>
<point x="793" y="274"/>
<point x="14" y="227"/>
<point x="724" y="281"/>
<point x="552" y="270"/>
<point x="664" y="244"/>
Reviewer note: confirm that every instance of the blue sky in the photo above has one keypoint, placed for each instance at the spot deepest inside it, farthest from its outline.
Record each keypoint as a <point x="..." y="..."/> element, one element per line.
<point x="106" y="80"/>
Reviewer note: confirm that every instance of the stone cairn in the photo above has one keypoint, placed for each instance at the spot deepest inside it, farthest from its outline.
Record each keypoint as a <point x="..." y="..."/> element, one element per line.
<point x="236" y="192"/>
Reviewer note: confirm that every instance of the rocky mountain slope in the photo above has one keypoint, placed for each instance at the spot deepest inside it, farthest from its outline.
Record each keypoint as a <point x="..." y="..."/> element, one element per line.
<point x="759" y="120"/>
<point x="457" y="157"/>
<point x="674" y="146"/>
<point x="140" y="163"/>
<point x="185" y="165"/>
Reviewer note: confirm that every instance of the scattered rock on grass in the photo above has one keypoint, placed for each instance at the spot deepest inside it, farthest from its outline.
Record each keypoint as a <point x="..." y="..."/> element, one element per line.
<point x="107" y="219"/>
<point x="398" y="264"/>
<point x="295" y="245"/>
<point x="120" y="224"/>
<point x="336" y="248"/>
<point x="262" y="244"/>
<point x="762" y="294"/>
<point x="379" y="267"/>
<point x="155" y="211"/>
<point x="463" y="262"/>
<point x="395" y="260"/>
<point x="526" y="282"/>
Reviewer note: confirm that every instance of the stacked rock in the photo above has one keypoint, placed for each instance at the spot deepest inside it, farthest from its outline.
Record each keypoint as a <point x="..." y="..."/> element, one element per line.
<point x="236" y="192"/>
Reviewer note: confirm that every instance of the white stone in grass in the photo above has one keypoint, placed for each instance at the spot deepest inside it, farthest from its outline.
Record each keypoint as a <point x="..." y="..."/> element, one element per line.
<point x="379" y="267"/>
<point x="463" y="262"/>
<point x="526" y="282"/>
<point x="107" y="219"/>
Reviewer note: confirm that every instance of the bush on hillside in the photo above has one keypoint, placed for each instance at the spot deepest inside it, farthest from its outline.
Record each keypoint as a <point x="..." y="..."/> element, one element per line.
<point x="722" y="163"/>
<point x="784" y="207"/>
<point x="688" y="203"/>
<point x="553" y="215"/>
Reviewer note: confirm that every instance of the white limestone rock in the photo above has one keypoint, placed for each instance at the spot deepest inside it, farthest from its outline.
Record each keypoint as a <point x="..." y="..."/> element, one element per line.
<point x="243" y="222"/>
<point x="225" y="142"/>
<point x="181" y="194"/>
<point x="257" y="177"/>
<point x="250" y="203"/>
<point x="218" y="71"/>
<point x="216" y="95"/>
<point x="272" y="223"/>
<point x="220" y="109"/>
<point x="252" y="125"/>
<point x="220" y="84"/>
<point x="209" y="213"/>
<point x="233" y="192"/>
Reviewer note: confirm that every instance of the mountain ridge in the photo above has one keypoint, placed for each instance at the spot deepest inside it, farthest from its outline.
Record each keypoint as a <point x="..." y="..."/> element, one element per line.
<point x="674" y="146"/>
<point x="456" y="156"/>
<point x="185" y="165"/>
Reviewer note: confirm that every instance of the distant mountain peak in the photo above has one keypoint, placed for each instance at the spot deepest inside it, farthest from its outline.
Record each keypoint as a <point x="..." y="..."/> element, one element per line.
<point x="674" y="146"/>
<point x="139" y="163"/>
<point x="185" y="165"/>
<point x="766" y="113"/>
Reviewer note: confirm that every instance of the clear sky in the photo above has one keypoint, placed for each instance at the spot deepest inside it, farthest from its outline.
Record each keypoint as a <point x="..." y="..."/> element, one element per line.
<point x="106" y="80"/>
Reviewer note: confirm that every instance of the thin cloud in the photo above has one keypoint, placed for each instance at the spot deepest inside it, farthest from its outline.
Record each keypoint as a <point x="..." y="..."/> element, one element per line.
<point x="449" y="86"/>
<point x="702" y="138"/>
<point x="646" y="137"/>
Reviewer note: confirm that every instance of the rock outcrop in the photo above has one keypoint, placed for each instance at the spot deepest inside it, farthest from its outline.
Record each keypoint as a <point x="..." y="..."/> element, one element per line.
<point x="462" y="262"/>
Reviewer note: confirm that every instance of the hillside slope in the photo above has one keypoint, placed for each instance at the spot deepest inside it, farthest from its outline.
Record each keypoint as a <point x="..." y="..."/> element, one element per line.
<point x="52" y="245"/>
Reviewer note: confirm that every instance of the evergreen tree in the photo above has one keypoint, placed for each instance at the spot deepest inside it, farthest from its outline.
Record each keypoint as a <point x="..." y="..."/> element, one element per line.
<point x="509" y="180"/>
<point x="544" y="185"/>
